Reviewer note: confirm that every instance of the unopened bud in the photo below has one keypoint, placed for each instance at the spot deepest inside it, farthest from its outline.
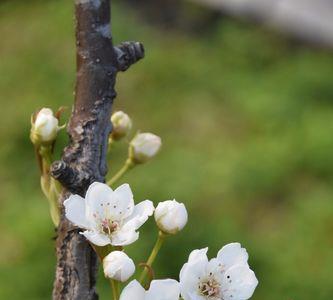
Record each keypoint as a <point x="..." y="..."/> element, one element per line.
<point x="171" y="216"/>
<point x="144" y="147"/>
<point x="44" y="128"/>
<point x="122" y="124"/>
<point x="118" y="266"/>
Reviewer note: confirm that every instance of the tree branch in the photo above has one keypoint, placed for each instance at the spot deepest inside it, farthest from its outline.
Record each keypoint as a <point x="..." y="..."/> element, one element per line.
<point x="84" y="159"/>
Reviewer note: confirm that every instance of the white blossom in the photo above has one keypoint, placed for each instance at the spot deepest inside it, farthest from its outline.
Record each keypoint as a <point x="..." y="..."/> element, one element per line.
<point x="226" y="277"/>
<point x="109" y="217"/>
<point x="45" y="127"/>
<point x="118" y="266"/>
<point x="166" y="289"/>
<point x="122" y="124"/>
<point x="144" y="146"/>
<point x="171" y="216"/>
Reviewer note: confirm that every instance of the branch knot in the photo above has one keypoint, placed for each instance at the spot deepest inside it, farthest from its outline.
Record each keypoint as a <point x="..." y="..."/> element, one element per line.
<point x="128" y="53"/>
<point x="70" y="178"/>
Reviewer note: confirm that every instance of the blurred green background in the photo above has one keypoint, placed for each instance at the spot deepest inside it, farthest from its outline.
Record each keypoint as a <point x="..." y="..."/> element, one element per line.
<point x="246" y="117"/>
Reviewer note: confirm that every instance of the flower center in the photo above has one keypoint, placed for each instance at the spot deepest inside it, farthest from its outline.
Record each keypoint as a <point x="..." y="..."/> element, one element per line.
<point x="210" y="288"/>
<point x="109" y="226"/>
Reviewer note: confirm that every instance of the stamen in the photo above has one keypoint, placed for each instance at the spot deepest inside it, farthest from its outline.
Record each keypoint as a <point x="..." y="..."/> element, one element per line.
<point x="210" y="288"/>
<point x="108" y="226"/>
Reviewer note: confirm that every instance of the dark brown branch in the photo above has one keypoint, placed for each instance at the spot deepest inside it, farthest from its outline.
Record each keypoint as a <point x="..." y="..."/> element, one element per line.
<point x="84" y="160"/>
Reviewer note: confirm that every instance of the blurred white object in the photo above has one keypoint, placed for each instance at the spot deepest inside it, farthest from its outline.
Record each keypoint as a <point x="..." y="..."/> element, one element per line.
<point x="122" y="124"/>
<point x="311" y="20"/>
<point x="144" y="147"/>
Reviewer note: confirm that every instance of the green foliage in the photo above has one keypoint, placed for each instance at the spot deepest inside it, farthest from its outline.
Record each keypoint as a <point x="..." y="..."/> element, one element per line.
<point x="247" y="122"/>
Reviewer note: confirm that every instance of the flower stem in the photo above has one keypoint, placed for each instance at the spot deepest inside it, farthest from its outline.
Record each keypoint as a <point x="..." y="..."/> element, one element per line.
<point x="50" y="187"/>
<point x="115" y="289"/>
<point x="127" y="166"/>
<point x="152" y="257"/>
<point x="46" y="155"/>
<point x="101" y="253"/>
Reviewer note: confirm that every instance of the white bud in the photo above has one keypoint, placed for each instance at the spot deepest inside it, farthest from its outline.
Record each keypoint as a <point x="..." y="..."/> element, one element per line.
<point x="118" y="266"/>
<point x="144" y="146"/>
<point x="45" y="127"/>
<point x="171" y="216"/>
<point x="122" y="124"/>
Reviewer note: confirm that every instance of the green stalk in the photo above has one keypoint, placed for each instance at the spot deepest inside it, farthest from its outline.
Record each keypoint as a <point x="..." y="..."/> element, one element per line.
<point x="152" y="257"/>
<point x="110" y="143"/>
<point x="50" y="187"/>
<point x="115" y="289"/>
<point x="46" y="155"/>
<point x="127" y="166"/>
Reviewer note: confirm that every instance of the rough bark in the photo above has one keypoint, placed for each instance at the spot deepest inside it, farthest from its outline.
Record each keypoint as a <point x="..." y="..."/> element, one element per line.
<point x="84" y="159"/>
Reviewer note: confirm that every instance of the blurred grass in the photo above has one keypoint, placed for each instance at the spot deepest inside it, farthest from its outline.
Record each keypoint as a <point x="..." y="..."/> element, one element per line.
<point x="247" y="121"/>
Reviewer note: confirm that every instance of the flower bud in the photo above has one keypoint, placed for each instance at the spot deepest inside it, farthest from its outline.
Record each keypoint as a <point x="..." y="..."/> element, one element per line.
<point x="118" y="266"/>
<point x="44" y="128"/>
<point x="143" y="147"/>
<point x="122" y="124"/>
<point x="170" y="216"/>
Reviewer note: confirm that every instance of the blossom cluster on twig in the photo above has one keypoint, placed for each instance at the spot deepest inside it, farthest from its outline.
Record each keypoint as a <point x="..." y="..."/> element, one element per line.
<point x="110" y="220"/>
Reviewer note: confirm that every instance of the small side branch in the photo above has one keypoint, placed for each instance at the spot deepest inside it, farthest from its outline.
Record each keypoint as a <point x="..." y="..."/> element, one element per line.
<point x="128" y="53"/>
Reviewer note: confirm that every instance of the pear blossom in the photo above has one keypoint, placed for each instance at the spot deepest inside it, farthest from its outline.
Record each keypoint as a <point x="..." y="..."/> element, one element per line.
<point x="118" y="266"/>
<point x="143" y="147"/>
<point x="170" y="216"/>
<point x="109" y="217"/>
<point x="122" y="124"/>
<point x="166" y="289"/>
<point x="45" y="127"/>
<point x="226" y="277"/>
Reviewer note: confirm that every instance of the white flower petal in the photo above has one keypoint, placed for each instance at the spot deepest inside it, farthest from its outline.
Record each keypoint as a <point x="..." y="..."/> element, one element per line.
<point x="123" y="197"/>
<point x="239" y="283"/>
<point x="189" y="280"/>
<point x="127" y="234"/>
<point x="195" y="296"/>
<point x="140" y="215"/>
<point x="191" y="273"/>
<point x="167" y="289"/>
<point x="214" y="267"/>
<point x="98" y="199"/>
<point x="198" y="255"/>
<point x="196" y="264"/>
<point x="97" y="238"/>
<point x="124" y="192"/>
<point x="123" y="237"/>
<point x="133" y="291"/>
<point x="232" y="254"/>
<point x="75" y="210"/>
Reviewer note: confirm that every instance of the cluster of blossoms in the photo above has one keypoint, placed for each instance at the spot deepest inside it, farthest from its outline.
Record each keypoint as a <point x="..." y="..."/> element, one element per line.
<point x="44" y="131"/>
<point x="110" y="221"/>
<point x="110" y="217"/>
